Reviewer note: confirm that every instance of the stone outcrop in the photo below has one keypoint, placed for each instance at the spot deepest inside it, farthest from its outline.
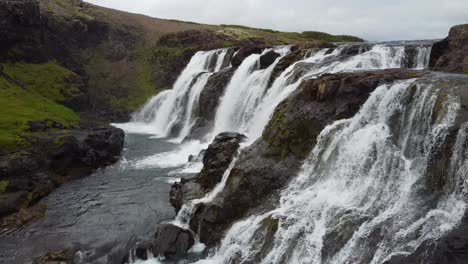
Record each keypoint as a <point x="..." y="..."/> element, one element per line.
<point x="52" y="157"/>
<point x="451" y="54"/>
<point x="212" y="93"/>
<point x="216" y="159"/>
<point x="171" y="241"/>
<point x="245" y="52"/>
<point x="268" y="59"/>
<point x="267" y="165"/>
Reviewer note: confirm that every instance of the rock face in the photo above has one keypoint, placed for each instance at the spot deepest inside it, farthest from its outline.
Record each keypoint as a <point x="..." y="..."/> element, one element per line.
<point x="268" y="59"/>
<point x="243" y="53"/>
<point x="54" y="157"/>
<point x="171" y="241"/>
<point x="211" y="94"/>
<point x="217" y="158"/>
<point x="451" y="54"/>
<point x="267" y="165"/>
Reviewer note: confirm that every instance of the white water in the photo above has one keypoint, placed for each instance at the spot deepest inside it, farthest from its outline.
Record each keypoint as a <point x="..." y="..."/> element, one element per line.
<point x="183" y="217"/>
<point x="175" y="106"/>
<point x="368" y="170"/>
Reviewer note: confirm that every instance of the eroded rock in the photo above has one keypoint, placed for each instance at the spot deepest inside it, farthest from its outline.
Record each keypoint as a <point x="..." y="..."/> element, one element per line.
<point x="171" y="241"/>
<point x="451" y="54"/>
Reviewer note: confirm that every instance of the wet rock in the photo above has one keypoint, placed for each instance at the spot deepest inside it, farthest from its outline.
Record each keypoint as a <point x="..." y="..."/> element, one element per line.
<point x="37" y="126"/>
<point x="52" y="157"/>
<point x="298" y="121"/>
<point x="211" y="94"/>
<point x="217" y="158"/>
<point x="268" y="59"/>
<point x="451" y="54"/>
<point x="12" y="202"/>
<point x="56" y="257"/>
<point x="142" y="249"/>
<point x="171" y="241"/>
<point x="184" y="191"/>
<point x="269" y="164"/>
<point x="197" y="158"/>
<point x="243" y="53"/>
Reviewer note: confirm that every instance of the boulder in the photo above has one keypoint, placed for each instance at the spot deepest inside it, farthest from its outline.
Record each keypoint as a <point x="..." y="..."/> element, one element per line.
<point x="12" y="202"/>
<point x="217" y="158"/>
<point x="451" y="54"/>
<point x="268" y="59"/>
<point x="142" y="249"/>
<point x="243" y="53"/>
<point x="171" y="241"/>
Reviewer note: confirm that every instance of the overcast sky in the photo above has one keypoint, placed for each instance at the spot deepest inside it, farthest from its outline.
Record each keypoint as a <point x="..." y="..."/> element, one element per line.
<point x="369" y="19"/>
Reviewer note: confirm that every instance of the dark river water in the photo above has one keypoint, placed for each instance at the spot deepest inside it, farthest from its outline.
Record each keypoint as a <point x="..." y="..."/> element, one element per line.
<point x="102" y="213"/>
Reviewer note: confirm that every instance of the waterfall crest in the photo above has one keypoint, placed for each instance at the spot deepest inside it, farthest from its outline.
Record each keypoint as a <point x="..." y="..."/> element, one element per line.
<point x="360" y="196"/>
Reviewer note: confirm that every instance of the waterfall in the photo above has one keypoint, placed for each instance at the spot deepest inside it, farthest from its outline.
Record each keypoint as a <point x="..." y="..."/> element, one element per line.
<point x="171" y="112"/>
<point x="361" y="195"/>
<point x="185" y="214"/>
<point x="243" y="94"/>
<point x="315" y="64"/>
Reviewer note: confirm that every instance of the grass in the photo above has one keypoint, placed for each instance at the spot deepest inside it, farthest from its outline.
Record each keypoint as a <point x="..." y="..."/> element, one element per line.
<point x="22" y="104"/>
<point x="286" y="37"/>
<point x="47" y="79"/>
<point x="3" y="186"/>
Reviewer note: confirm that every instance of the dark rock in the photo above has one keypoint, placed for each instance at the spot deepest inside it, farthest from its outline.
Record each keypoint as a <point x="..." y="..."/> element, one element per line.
<point x="184" y="191"/>
<point x="451" y="54"/>
<point x="217" y="158"/>
<point x="197" y="158"/>
<point x="211" y="94"/>
<point x="298" y="120"/>
<point x="268" y="59"/>
<point x="12" y="202"/>
<point x="56" y="257"/>
<point x="268" y="165"/>
<point x="142" y="249"/>
<point x="54" y="157"/>
<point x="37" y="126"/>
<point x="243" y="53"/>
<point x="171" y="241"/>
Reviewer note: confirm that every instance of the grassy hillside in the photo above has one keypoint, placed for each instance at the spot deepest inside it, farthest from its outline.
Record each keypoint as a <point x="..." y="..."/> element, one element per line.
<point x="64" y="49"/>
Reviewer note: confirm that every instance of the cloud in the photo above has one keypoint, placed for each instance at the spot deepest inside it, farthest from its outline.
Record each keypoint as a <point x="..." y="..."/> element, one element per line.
<point x="369" y="19"/>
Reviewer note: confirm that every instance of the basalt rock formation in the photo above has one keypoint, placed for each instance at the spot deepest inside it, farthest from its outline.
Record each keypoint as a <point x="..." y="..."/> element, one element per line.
<point x="267" y="165"/>
<point x="451" y="54"/>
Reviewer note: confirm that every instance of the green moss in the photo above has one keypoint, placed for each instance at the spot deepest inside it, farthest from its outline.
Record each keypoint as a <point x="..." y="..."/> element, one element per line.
<point x="20" y="105"/>
<point x="3" y="186"/>
<point x="465" y="71"/>
<point x="48" y="79"/>
<point x="228" y="44"/>
<point x="271" y="224"/>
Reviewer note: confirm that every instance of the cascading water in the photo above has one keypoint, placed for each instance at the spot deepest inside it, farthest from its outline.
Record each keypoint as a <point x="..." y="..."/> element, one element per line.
<point x="361" y="195"/>
<point x="315" y="64"/>
<point x="168" y="109"/>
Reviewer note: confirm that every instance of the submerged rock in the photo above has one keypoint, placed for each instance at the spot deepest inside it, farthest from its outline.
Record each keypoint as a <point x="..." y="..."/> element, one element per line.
<point x="171" y="241"/>
<point x="451" y="54"/>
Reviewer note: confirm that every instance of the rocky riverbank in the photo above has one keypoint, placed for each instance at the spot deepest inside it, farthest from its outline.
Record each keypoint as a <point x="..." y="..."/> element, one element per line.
<point x="266" y="167"/>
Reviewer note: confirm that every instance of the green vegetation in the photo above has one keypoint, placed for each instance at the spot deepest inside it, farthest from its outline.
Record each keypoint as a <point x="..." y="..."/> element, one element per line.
<point x="48" y="79"/>
<point x="286" y="37"/>
<point x="465" y="71"/>
<point x="3" y="186"/>
<point x="21" y="104"/>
